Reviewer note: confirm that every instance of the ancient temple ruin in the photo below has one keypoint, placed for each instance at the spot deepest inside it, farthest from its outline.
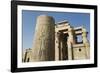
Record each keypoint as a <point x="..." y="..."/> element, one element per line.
<point x="57" y="41"/>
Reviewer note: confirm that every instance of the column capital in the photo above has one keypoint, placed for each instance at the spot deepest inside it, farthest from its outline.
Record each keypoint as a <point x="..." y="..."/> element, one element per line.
<point x="83" y="29"/>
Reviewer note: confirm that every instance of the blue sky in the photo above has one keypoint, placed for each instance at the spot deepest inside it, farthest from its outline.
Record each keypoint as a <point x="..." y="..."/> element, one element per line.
<point x="29" y="22"/>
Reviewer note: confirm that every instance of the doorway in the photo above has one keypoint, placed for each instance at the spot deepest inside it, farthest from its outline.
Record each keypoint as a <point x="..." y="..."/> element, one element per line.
<point x="63" y="47"/>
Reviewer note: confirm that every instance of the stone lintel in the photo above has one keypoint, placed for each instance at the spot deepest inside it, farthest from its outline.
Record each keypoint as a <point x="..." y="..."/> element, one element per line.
<point x="78" y="45"/>
<point x="78" y="28"/>
<point x="61" y="28"/>
<point x="62" y="22"/>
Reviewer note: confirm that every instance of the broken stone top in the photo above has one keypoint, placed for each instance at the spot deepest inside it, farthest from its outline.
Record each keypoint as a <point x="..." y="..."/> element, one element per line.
<point x="44" y="19"/>
<point x="45" y="16"/>
<point x="63" y="22"/>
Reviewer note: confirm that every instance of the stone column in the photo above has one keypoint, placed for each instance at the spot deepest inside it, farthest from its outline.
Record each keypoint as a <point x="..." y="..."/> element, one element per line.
<point x="57" y="46"/>
<point x="86" y="42"/>
<point x="70" y="43"/>
<point x="61" y="45"/>
<point x="44" y="39"/>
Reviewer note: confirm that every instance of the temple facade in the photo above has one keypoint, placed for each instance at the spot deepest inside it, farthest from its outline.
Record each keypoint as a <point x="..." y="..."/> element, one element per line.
<point x="57" y="41"/>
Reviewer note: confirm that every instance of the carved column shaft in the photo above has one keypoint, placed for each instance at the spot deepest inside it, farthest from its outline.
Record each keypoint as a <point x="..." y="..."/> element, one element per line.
<point x="70" y="42"/>
<point x="57" y="46"/>
<point x="44" y="40"/>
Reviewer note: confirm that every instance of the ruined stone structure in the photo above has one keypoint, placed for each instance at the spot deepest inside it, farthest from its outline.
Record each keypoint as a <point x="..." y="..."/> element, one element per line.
<point x="67" y="46"/>
<point x="57" y="41"/>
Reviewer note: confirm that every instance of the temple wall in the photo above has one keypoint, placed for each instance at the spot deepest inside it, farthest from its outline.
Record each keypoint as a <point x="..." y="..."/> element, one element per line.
<point x="79" y="52"/>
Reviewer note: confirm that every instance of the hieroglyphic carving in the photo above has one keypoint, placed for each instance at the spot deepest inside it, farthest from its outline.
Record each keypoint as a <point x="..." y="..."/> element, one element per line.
<point x="44" y="41"/>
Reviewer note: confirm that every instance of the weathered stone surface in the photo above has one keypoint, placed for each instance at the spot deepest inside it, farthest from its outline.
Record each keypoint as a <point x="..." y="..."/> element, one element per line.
<point x="74" y="50"/>
<point x="86" y="43"/>
<point x="44" y="40"/>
